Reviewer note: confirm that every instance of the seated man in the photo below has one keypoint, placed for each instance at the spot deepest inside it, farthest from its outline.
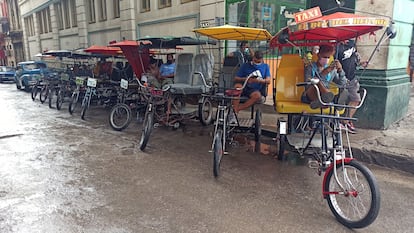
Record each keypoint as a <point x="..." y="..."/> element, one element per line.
<point x="154" y="78"/>
<point x="325" y="73"/>
<point x="167" y="71"/>
<point x="254" y="85"/>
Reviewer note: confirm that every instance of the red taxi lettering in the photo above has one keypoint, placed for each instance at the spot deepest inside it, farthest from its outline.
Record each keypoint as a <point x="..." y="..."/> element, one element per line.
<point x="307" y="15"/>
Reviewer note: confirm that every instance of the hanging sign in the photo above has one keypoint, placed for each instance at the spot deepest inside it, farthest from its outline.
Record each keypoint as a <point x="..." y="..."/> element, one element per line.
<point x="306" y="15"/>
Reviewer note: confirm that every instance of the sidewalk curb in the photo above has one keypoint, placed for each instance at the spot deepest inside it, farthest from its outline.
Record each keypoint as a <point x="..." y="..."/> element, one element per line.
<point x="387" y="160"/>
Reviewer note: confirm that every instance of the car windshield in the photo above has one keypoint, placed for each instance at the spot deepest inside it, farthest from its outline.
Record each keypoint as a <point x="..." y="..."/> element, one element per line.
<point x="33" y="66"/>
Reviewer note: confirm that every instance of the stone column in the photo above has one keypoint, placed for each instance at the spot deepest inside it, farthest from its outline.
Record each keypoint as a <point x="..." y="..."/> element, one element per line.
<point x="37" y="35"/>
<point x="55" y="30"/>
<point x="386" y="79"/>
<point x="128" y="9"/>
<point x="82" y="23"/>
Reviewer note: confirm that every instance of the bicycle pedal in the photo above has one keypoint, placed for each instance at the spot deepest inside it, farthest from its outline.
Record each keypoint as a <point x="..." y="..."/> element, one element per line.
<point x="313" y="164"/>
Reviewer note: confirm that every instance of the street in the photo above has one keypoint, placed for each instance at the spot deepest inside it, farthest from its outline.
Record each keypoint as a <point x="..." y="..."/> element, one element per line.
<point x="62" y="174"/>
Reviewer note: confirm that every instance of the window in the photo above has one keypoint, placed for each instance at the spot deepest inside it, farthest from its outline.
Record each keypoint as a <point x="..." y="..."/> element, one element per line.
<point x="164" y="3"/>
<point x="91" y="9"/>
<point x="73" y="13"/>
<point x="117" y="11"/>
<point x="39" y="21"/>
<point x="66" y="14"/>
<point x="29" y="24"/>
<point x="43" y="20"/>
<point x="102" y="10"/>
<point x="145" y="5"/>
<point x="59" y="16"/>
<point x="15" y="15"/>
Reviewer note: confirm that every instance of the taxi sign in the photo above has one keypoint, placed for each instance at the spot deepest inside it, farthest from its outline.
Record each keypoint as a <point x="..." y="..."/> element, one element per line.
<point x="306" y="15"/>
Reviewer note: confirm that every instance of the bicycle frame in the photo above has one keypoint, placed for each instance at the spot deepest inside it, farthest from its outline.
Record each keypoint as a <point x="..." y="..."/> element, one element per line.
<point x="328" y="159"/>
<point x="222" y="112"/>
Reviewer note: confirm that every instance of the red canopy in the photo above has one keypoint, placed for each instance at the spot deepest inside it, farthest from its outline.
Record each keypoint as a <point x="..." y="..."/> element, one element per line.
<point x="104" y="50"/>
<point x="331" y="28"/>
<point x="137" y="57"/>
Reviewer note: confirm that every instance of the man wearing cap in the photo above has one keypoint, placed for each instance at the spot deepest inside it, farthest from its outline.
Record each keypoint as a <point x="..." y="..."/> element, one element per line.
<point x="259" y="73"/>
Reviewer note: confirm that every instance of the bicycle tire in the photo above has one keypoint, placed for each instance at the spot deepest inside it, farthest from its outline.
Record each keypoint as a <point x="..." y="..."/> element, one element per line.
<point x="52" y="92"/>
<point x="73" y="103"/>
<point x="43" y="94"/>
<point x="59" y="99"/>
<point x="257" y="130"/>
<point x="334" y="203"/>
<point x="217" y="152"/>
<point x="205" y="111"/>
<point x="85" y="103"/>
<point x="117" y="112"/>
<point x="147" y="127"/>
<point x="282" y="147"/>
<point x="34" y="92"/>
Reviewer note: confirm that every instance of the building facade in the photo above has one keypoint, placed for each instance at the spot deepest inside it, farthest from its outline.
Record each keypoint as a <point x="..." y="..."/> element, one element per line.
<point x="73" y="24"/>
<point x="13" y="34"/>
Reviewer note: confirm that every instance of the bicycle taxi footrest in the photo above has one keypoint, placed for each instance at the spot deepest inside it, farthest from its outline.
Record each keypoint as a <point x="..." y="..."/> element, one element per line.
<point x="185" y="110"/>
<point x="330" y="117"/>
<point x="246" y="122"/>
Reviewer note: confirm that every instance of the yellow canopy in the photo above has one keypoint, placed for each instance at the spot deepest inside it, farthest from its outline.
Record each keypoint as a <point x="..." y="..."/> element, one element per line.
<point x="228" y="32"/>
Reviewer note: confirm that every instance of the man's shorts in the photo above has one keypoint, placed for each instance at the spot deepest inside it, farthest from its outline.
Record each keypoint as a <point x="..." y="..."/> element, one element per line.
<point x="353" y="91"/>
<point x="247" y="91"/>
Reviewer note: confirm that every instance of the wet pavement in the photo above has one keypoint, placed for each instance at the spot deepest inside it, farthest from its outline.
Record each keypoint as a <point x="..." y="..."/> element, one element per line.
<point x="62" y="174"/>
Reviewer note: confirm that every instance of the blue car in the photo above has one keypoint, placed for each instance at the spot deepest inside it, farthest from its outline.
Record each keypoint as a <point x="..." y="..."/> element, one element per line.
<point x="27" y="71"/>
<point x="7" y="74"/>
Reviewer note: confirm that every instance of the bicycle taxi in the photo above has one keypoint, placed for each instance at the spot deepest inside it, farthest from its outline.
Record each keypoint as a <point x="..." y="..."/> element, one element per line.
<point x="101" y="88"/>
<point x="349" y="187"/>
<point x="226" y="93"/>
<point x="173" y="104"/>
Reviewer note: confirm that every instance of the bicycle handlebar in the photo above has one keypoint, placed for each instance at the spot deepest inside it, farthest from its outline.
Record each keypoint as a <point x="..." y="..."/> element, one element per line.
<point x="204" y="79"/>
<point x="315" y="81"/>
<point x="244" y="83"/>
<point x="165" y="88"/>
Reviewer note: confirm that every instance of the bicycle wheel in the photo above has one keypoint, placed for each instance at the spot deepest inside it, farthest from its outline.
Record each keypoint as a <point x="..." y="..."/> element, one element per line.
<point x="148" y="125"/>
<point x="218" y="152"/>
<point x="59" y="99"/>
<point x="52" y="93"/>
<point x="359" y="204"/>
<point x="73" y="102"/>
<point x="34" y="92"/>
<point x="120" y="117"/>
<point x="257" y="130"/>
<point x="205" y="111"/>
<point x="85" y="105"/>
<point x="281" y="147"/>
<point x="43" y="94"/>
